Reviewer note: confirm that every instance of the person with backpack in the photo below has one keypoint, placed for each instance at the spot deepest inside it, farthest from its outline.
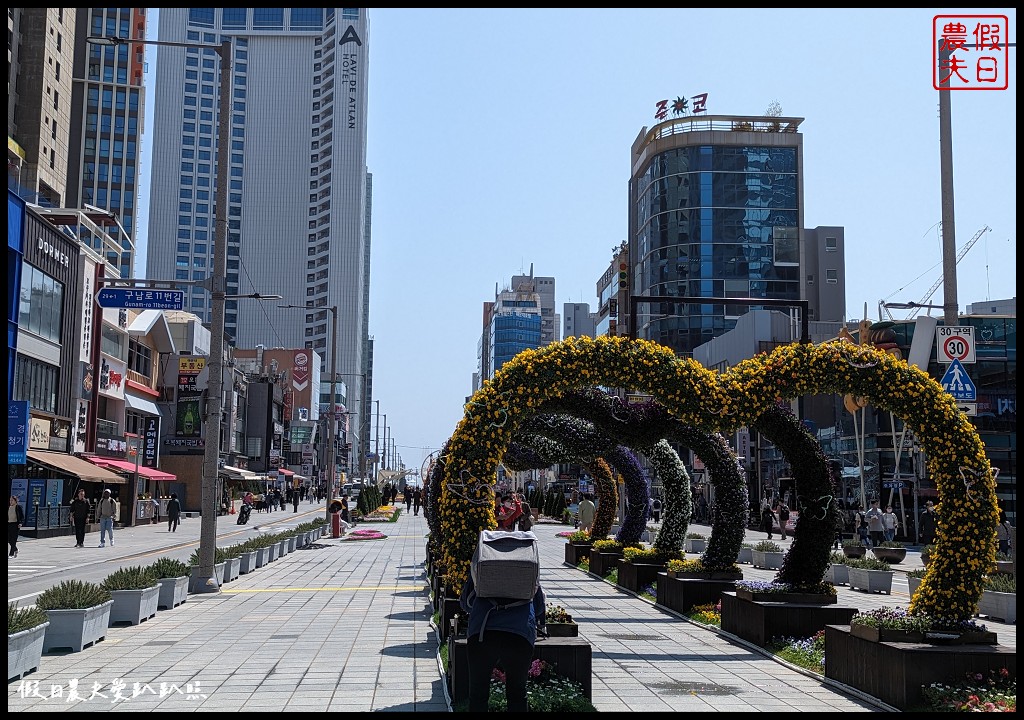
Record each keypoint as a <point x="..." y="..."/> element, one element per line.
<point x="107" y="512"/>
<point x="503" y="618"/>
<point x="782" y="513"/>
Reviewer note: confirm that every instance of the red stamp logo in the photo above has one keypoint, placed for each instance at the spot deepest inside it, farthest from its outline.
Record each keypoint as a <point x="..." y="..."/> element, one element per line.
<point x="970" y="52"/>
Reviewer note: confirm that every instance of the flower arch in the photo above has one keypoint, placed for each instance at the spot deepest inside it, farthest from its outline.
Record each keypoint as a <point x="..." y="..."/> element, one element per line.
<point x="965" y="541"/>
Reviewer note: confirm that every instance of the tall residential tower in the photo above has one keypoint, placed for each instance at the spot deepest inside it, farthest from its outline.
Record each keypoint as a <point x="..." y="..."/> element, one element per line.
<point x="298" y="215"/>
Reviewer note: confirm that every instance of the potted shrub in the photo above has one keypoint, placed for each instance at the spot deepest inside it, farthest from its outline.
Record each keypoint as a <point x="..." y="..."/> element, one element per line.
<point x="1004" y="564"/>
<point x="559" y="622"/>
<point x="26" y="628"/>
<point x="745" y="556"/>
<point x="768" y="555"/>
<point x="247" y="557"/>
<point x="262" y="551"/>
<point x="837" y="572"/>
<point x="577" y="547"/>
<point x="926" y="554"/>
<point x="292" y="542"/>
<point x="870" y="575"/>
<point x="136" y="594"/>
<point x="78" y="613"/>
<point x="695" y="543"/>
<point x="219" y="559"/>
<point x="232" y="562"/>
<point x="890" y="551"/>
<point x="853" y="549"/>
<point x="999" y="598"/>
<point x="914" y="578"/>
<point x="639" y="567"/>
<point x="172" y="576"/>
<point x="887" y="624"/>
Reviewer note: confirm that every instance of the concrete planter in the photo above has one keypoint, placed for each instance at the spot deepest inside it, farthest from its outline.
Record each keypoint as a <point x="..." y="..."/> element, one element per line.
<point x="24" y="650"/>
<point x="173" y="592"/>
<point x="134" y="606"/>
<point x="913" y="583"/>
<point x="218" y="572"/>
<point x="998" y="605"/>
<point x="292" y="542"/>
<point x="300" y="540"/>
<point x="871" y="580"/>
<point x="766" y="560"/>
<point x="837" y="574"/>
<point x="262" y="557"/>
<point x="275" y="551"/>
<point x="248" y="562"/>
<point x="893" y="556"/>
<point x="232" y="568"/>
<point x="693" y="545"/>
<point x="745" y="556"/>
<point x="282" y="548"/>
<point x="77" y="629"/>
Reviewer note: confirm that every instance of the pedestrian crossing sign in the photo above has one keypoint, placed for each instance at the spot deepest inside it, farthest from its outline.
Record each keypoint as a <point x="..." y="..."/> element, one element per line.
<point x="958" y="384"/>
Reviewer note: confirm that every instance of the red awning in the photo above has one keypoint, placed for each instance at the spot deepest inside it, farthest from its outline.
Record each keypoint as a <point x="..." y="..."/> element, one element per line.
<point x="127" y="466"/>
<point x="286" y="473"/>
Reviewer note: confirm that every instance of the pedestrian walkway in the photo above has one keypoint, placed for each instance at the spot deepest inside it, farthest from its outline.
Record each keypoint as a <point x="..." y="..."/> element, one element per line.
<point x="346" y="626"/>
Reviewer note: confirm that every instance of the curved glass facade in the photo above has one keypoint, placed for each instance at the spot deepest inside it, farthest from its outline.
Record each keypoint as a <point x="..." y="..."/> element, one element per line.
<point x="714" y="221"/>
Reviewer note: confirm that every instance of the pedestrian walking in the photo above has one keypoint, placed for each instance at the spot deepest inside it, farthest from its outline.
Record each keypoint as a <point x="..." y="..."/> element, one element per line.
<point x="80" y="514"/>
<point x="889" y="523"/>
<point x="656" y="510"/>
<point x="173" y="513"/>
<point x="499" y="634"/>
<point x="767" y="517"/>
<point x="1002" y="534"/>
<point x="586" y="512"/>
<point x="860" y="525"/>
<point x="407" y="493"/>
<point x="295" y="500"/>
<point x="107" y="511"/>
<point x="417" y="500"/>
<point x="15" y="517"/>
<point x="782" y="513"/>
<point x="928" y="524"/>
<point x="875" y="527"/>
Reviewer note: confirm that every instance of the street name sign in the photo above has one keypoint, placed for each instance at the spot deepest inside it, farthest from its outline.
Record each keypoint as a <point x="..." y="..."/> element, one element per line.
<point x="140" y="299"/>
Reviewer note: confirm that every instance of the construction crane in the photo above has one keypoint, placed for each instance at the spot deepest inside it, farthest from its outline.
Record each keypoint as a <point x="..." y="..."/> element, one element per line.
<point x="938" y="283"/>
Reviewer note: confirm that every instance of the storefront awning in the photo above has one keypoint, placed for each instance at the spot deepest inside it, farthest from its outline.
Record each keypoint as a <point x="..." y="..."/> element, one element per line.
<point x="72" y="465"/>
<point x="141" y="404"/>
<point x="236" y="473"/>
<point x="129" y="467"/>
<point x="285" y="473"/>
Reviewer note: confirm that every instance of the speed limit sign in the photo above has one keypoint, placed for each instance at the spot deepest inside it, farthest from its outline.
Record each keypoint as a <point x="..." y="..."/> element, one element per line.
<point x="954" y="343"/>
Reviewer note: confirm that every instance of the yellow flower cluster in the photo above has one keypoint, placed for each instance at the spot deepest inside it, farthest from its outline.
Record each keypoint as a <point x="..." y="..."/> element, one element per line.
<point x="724" y="402"/>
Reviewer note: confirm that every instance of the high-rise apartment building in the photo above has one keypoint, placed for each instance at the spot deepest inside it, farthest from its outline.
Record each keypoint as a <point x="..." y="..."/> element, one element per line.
<point x="578" y="320"/>
<point x="40" y="56"/>
<point x="716" y="211"/>
<point x="511" y="324"/>
<point x="298" y="195"/>
<point x="550" y="321"/>
<point x="107" y="101"/>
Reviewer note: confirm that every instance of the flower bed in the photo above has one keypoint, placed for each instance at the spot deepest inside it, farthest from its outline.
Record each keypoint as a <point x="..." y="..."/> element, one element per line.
<point x="364" y="535"/>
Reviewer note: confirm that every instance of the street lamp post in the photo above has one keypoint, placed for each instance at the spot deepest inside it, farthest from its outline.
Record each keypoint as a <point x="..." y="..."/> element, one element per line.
<point x="331" y="419"/>
<point x="207" y="580"/>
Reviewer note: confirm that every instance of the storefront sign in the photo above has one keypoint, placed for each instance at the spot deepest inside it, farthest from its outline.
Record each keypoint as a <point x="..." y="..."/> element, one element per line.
<point x="17" y="431"/>
<point x="112" y="377"/>
<point x="39" y="434"/>
<point x="151" y="441"/>
<point x="188" y="407"/>
<point x="109" y="445"/>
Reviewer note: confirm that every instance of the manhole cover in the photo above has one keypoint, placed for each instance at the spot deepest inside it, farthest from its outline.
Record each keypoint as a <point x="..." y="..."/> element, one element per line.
<point x="683" y="687"/>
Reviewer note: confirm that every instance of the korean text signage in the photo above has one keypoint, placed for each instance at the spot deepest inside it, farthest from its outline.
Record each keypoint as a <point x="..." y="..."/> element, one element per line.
<point x="140" y="299"/>
<point x="151" y="441"/>
<point x="188" y="421"/>
<point x="17" y="432"/>
<point x="954" y="343"/>
<point x="680" y="107"/>
<point x="112" y="376"/>
<point x="970" y="52"/>
<point x="109" y="445"/>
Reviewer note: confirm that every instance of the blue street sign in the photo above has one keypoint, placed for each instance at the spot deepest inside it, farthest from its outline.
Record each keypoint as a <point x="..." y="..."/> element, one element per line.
<point x="958" y="384"/>
<point x="140" y="298"/>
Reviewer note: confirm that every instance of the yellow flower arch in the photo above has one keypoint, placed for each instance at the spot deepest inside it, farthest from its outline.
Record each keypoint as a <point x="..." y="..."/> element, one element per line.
<point x="724" y="402"/>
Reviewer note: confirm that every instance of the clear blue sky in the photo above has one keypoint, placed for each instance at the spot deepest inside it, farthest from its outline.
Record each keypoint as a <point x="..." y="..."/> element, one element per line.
<point x="501" y="138"/>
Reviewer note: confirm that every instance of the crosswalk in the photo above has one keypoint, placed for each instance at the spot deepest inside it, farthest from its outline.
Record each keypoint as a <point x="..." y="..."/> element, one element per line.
<point x="14" y="568"/>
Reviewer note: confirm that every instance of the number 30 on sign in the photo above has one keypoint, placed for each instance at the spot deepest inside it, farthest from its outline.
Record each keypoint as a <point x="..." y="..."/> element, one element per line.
<point x="954" y="343"/>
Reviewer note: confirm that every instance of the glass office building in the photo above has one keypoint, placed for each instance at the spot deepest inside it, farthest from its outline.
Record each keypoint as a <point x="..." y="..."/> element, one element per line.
<point x="715" y="211"/>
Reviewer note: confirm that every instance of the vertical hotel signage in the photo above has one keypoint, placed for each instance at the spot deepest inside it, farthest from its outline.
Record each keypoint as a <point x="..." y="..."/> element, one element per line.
<point x="350" y="59"/>
<point x="188" y="416"/>
<point x="150" y="441"/>
<point x="17" y="432"/>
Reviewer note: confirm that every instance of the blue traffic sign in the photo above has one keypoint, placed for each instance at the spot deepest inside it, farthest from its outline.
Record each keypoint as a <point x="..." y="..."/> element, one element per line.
<point x="140" y="298"/>
<point x="958" y="384"/>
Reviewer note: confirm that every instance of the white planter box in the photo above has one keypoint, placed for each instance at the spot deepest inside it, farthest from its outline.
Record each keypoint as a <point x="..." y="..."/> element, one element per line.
<point x="275" y="550"/>
<point x="218" y="572"/>
<point x="282" y="548"/>
<point x="262" y="557"/>
<point x="248" y="562"/>
<point x="871" y="580"/>
<point x="692" y="545"/>
<point x="913" y="583"/>
<point x="292" y="542"/>
<point x="232" y="567"/>
<point x="134" y="606"/>
<point x="838" y="574"/>
<point x="300" y="540"/>
<point x="24" y="650"/>
<point x="998" y="605"/>
<point x="767" y="560"/>
<point x="745" y="556"/>
<point x="173" y="592"/>
<point x="77" y="629"/>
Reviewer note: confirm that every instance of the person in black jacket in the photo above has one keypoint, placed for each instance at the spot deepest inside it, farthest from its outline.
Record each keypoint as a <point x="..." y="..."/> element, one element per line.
<point x="173" y="513"/>
<point x="15" y="517"/>
<point x="79" y="514"/>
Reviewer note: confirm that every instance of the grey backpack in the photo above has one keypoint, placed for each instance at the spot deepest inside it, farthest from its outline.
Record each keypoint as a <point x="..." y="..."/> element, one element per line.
<point x="506" y="566"/>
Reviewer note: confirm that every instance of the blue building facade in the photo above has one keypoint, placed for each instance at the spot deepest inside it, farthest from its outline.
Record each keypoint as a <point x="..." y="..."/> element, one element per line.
<point x="513" y="333"/>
